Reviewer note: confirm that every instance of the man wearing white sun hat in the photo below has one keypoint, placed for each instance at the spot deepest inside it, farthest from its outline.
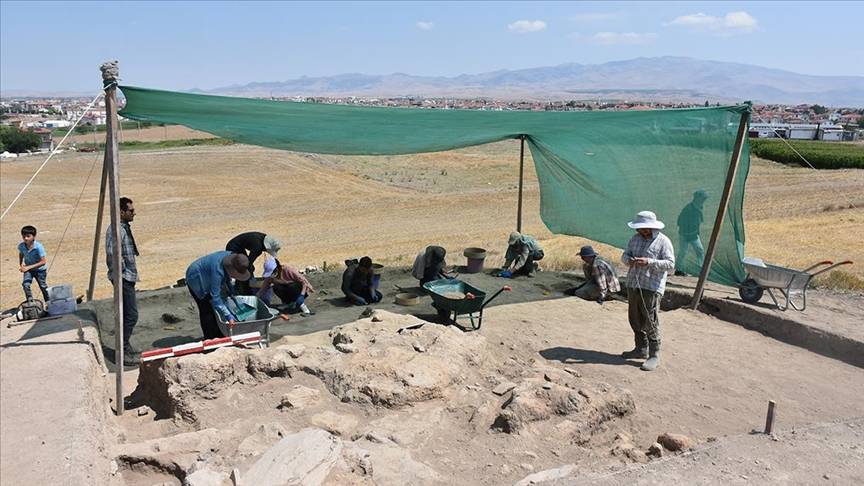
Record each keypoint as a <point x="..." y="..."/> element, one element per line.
<point x="650" y="257"/>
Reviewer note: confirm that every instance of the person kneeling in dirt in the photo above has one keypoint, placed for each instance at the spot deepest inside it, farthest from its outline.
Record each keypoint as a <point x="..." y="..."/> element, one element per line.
<point x="650" y="256"/>
<point x="357" y="282"/>
<point x="600" y="277"/>
<point x="429" y="265"/>
<point x="523" y="253"/>
<point x="288" y="284"/>
<point x="208" y="278"/>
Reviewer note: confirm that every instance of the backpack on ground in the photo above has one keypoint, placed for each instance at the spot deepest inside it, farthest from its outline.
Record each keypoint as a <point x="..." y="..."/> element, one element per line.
<point x="30" y="310"/>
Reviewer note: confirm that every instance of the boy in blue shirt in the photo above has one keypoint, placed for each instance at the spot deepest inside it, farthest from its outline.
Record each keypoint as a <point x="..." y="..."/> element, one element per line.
<point x="32" y="262"/>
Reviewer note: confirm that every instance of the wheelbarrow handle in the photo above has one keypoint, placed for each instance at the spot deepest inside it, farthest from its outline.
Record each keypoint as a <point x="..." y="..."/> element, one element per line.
<point x="824" y="262"/>
<point x="832" y="267"/>
<point x="496" y="294"/>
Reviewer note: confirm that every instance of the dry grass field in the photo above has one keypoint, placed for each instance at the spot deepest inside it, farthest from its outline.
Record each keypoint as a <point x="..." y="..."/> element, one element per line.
<point x="190" y="201"/>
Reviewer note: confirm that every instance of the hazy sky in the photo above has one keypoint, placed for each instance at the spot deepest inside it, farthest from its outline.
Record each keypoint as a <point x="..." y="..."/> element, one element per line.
<point x="52" y="46"/>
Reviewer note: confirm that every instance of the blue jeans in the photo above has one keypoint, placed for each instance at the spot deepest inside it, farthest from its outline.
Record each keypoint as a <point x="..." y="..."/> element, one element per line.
<point x="41" y="275"/>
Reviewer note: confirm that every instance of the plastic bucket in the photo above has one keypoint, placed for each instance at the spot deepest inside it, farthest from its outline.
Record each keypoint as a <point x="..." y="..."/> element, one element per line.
<point x="476" y="257"/>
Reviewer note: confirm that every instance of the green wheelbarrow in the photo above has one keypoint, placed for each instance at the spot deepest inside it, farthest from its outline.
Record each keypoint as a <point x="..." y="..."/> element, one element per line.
<point x="453" y="297"/>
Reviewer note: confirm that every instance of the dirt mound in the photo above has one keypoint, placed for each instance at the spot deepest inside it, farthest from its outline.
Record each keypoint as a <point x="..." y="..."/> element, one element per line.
<point x="394" y="361"/>
<point x="582" y="406"/>
<point x="179" y="387"/>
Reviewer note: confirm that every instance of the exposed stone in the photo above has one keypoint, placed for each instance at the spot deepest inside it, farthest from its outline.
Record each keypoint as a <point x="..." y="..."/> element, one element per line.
<point x="176" y="453"/>
<point x="337" y="424"/>
<point x="179" y="387"/>
<point x="305" y="457"/>
<point x="394" y="465"/>
<point x="656" y="450"/>
<point x="624" y="448"/>
<point x="299" y="397"/>
<point x="419" y="348"/>
<point x="294" y="350"/>
<point x="390" y="372"/>
<point x="202" y="475"/>
<point x="346" y="348"/>
<point x="675" y="442"/>
<point x="235" y="477"/>
<point x="548" y="475"/>
<point x="143" y="410"/>
<point x="587" y="407"/>
<point x="264" y="437"/>
<point x="503" y="388"/>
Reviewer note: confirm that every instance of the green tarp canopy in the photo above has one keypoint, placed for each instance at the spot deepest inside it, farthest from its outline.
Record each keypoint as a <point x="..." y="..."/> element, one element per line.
<point x="596" y="169"/>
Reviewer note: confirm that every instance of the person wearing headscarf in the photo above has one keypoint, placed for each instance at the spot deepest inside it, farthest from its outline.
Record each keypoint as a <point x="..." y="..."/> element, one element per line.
<point x="522" y="255"/>
<point x="357" y="282"/>
<point x="650" y="257"/>
<point x="291" y="286"/>
<point x="429" y="264"/>
<point x="252" y="244"/>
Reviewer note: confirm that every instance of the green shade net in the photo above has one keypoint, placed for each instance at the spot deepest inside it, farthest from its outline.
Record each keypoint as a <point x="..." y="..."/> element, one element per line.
<point x="596" y="169"/>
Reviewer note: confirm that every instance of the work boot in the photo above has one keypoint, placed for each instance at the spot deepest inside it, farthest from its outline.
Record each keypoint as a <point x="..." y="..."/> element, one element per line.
<point x="131" y="359"/>
<point x="653" y="358"/>
<point x="636" y="353"/>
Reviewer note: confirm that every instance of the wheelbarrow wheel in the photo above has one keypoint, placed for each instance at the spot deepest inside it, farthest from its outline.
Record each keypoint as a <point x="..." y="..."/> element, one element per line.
<point x="750" y="291"/>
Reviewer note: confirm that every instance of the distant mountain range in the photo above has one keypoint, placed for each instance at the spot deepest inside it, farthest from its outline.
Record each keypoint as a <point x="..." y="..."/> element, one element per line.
<point x="649" y="79"/>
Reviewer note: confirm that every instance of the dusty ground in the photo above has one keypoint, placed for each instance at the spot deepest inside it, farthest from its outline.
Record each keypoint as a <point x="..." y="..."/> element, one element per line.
<point x="423" y="399"/>
<point x="327" y="208"/>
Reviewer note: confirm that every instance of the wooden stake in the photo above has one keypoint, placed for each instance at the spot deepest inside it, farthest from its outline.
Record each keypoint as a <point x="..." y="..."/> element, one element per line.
<point x="112" y="162"/>
<point x="769" y="419"/>
<point x="721" y="210"/>
<point x="521" y="178"/>
<point x="97" y="237"/>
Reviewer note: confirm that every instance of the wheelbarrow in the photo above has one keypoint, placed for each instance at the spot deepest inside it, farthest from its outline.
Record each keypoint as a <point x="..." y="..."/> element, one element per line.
<point x="791" y="283"/>
<point x="453" y="297"/>
<point x="260" y="321"/>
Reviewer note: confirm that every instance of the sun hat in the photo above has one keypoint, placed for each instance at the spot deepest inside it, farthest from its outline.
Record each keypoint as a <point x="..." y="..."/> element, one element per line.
<point x="237" y="266"/>
<point x="587" y="251"/>
<point x="272" y="245"/>
<point x="514" y="237"/>
<point x="701" y="194"/>
<point x="646" y="219"/>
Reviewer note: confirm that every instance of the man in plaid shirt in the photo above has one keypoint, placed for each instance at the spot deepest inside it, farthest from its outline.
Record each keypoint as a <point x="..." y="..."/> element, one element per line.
<point x="129" y="250"/>
<point x="649" y="256"/>
<point x="600" y="277"/>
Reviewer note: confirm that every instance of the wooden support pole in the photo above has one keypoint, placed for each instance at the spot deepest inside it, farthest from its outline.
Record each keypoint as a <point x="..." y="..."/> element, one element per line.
<point x="96" y="238"/>
<point x="109" y="78"/>
<point x="521" y="182"/>
<point x="769" y="419"/>
<point x="721" y="210"/>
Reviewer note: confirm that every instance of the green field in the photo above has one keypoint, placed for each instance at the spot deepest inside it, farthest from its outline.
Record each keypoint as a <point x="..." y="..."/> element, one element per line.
<point x="127" y="124"/>
<point x="139" y="145"/>
<point x="823" y="155"/>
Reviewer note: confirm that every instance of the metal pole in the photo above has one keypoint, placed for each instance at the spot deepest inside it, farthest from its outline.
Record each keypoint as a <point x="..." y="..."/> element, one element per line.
<point x="521" y="177"/>
<point x="96" y="238"/>
<point x="721" y="209"/>
<point x="109" y="77"/>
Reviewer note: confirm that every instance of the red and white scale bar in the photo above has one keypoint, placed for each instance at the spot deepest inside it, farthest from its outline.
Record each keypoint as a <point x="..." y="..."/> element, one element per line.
<point x="201" y="346"/>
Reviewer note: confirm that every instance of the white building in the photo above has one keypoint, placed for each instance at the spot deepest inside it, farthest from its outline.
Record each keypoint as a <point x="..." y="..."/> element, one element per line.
<point x="831" y="133"/>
